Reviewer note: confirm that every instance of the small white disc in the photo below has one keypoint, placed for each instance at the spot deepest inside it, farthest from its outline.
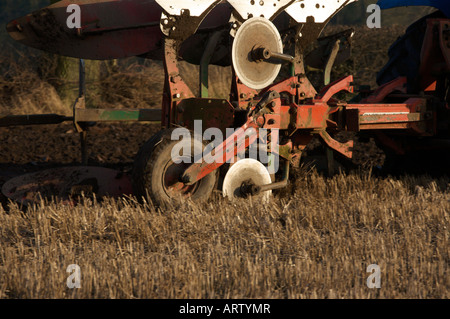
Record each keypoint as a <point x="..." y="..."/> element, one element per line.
<point x="246" y="170"/>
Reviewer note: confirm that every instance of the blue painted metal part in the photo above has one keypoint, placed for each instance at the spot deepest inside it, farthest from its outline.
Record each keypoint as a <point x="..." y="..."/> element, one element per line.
<point x="443" y="5"/>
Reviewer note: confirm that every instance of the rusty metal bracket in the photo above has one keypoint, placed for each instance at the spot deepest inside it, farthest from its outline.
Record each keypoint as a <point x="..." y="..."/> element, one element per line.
<point x="175" y="89"/>
<point x="345" y="149"/>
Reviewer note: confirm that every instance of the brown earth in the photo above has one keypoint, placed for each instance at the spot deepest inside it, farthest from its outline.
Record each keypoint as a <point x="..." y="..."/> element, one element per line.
<point x="31" y="148"/>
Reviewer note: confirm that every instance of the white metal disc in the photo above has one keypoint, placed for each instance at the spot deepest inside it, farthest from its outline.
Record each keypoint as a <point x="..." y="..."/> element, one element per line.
<point x="253" y="33"/>
<point x="246" y="170"/>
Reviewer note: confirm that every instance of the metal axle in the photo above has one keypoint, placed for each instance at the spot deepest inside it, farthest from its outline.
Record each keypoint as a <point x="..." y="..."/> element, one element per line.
<point x="259" y="54"/>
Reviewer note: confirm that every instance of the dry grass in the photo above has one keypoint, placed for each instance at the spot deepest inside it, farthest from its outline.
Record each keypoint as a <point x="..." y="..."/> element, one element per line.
<point x="24" y="91"/>
<point x="30" y="84"/>
<point x="315" y="243"/>
<point x="128" y="83"/>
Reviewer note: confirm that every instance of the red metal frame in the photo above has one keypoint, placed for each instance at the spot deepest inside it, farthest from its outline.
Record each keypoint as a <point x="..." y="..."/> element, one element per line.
<point x="302" y="113"/>
<point x="175" y="89"/>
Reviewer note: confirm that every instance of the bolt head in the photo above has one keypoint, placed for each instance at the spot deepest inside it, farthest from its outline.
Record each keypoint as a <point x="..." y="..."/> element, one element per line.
<point x="260" y="120"/>
<point x="186" y="179"/>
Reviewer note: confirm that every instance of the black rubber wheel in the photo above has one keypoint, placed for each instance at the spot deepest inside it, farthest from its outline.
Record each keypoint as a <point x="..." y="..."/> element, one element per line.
<point x="156" y="176"/>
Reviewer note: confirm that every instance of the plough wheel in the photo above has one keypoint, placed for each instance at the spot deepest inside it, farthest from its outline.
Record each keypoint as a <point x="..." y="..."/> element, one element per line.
<point x="156" y="175"/>
<point x="249" y="172"/>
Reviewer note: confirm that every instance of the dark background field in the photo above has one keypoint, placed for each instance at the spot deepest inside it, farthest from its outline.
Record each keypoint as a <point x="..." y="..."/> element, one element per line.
<point x="315" y="239"/>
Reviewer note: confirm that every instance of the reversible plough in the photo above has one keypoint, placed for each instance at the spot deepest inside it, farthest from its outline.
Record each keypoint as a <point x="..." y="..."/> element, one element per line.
<point x="271" y="99"/>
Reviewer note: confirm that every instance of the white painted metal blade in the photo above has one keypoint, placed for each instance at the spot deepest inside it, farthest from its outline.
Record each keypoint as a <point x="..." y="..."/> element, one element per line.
<point x="196" y="7"/>
<point x="258" y="8"/>
<point x="320" y="10"/>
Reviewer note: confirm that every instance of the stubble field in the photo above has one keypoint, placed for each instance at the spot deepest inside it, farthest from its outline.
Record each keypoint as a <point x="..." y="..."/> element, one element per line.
<point x="314" y="240"/>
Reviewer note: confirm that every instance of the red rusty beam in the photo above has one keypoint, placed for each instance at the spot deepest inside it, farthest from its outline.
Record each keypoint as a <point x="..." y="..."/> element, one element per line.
<point x="412" y="114"/>
<point x="343" y="84"/>
<point x="399" y="84"/>
<point x="312" y="116"/>
<point x="390" y="126"/>
<point x="175" y="89"/>
<point x="234" y="144"/>
<point x="389" y="118"/>
<point x="411" y="105"/>
<point x="343" y="148"/>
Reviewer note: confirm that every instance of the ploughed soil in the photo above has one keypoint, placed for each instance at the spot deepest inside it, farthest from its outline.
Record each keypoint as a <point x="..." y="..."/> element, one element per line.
<point x="27" y="149"/>
<point x="49" y="145"/>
